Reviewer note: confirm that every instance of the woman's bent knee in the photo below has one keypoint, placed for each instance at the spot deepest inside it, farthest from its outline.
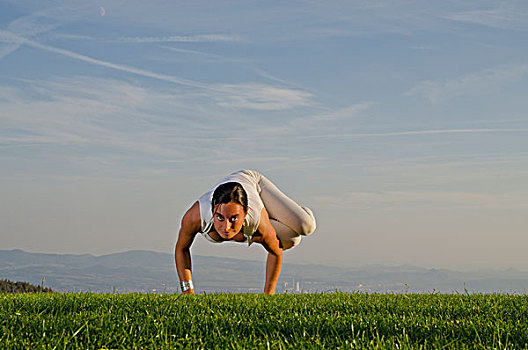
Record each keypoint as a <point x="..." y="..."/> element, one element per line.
<point x="290" y="243"/>
<point x="308" y="225"/>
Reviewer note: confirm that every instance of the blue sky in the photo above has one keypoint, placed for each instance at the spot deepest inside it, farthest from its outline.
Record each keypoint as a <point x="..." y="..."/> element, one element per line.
<point x="401" y="124"/>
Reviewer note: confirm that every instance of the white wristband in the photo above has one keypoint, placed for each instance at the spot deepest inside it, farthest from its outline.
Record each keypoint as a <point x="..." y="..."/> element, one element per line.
<point x="186" y="285"/>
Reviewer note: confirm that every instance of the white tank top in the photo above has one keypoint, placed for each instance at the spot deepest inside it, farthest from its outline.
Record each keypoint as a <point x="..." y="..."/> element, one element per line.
<point x="249" y="180"/>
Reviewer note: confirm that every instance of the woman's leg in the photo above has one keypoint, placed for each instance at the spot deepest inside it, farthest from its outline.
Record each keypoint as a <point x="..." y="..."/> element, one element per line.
<point x="286" y="235"/>
<point x="281" y="208"/>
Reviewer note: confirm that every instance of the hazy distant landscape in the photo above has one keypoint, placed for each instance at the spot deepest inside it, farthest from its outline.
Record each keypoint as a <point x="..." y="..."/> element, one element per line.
<point x="148" y="271"/>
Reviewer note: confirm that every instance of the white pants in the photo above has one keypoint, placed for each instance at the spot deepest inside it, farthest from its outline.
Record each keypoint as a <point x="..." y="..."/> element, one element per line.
<point x="290" y="220"/>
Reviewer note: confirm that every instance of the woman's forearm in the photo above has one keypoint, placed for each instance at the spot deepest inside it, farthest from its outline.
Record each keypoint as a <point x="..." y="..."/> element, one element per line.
<point x="273" y="269"/>
<point x="183" y="264"/>
<point x="190" y="226"/>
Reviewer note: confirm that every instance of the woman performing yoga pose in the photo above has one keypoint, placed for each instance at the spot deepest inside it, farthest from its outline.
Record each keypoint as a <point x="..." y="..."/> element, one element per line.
<point x="244" y="207"/>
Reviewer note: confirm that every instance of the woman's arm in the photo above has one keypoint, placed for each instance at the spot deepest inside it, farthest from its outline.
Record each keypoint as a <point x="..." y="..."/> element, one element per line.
<point x="190" y="226"/>
<point x="270" y="242"/>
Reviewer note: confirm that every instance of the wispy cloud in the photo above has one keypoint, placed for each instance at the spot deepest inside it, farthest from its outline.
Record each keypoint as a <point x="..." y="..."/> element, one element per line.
<point x="64" y="36"/>
<point x="209" y="57"/>
<point x="476" y="83"/>
<point x="507" y="172"/>
<point x="274" y="78"/>
<point x="417" y="133"/>
<point x="9" y="37"/>
<point x="425" y="47"/>
<point x="249" y="96"/>
<point x="89" y="112"/>
<point x="108" y="119"/>
<point x="328" y="119"/>
<point x="7" y="49"/>
<point x="260" y="97"/>
<point x="415" y="164"/>
<point x="41" y="21"/>
<point x="416" y="201"/>
<point x="203" y="38"/>
<point x="26" y="26"/>
<point x="507" y="15"/>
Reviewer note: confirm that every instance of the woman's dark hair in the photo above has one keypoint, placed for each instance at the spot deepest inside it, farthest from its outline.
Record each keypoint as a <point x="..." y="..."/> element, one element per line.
<point x="230" y="192"/>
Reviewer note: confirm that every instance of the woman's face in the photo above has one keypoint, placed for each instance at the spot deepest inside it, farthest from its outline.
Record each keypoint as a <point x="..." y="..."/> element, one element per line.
<point x="228" y="219"/>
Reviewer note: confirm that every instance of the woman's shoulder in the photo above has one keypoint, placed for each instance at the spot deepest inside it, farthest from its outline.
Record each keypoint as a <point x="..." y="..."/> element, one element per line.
<point x="192" y="218"/>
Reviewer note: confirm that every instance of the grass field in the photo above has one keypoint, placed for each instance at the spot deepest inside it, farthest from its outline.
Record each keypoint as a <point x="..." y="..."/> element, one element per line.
<point x="245" y="321"/>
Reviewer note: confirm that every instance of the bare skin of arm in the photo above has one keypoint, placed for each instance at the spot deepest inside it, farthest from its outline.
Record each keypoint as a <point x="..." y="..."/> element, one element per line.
<point x="268" y="238"/>
<point x="190" y="226"/>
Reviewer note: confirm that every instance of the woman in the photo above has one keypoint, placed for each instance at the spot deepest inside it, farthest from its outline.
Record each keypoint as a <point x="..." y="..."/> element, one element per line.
<point x="244" y="207"/>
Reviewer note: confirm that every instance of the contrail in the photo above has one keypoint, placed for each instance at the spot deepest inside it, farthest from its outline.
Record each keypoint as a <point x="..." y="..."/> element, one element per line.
<point x="420" y="132"/>
<point x="445" y="131"/>
<point x="182" y="39"/>
<point x="7" y="50"/>
<point x="11" y="38"/>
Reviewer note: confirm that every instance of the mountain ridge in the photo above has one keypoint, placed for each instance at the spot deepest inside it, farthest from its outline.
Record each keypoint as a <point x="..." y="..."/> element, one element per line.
<point x="150" y="271"/>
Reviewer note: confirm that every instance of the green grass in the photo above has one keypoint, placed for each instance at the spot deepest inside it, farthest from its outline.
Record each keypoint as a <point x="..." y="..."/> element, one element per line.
<point x="245" y="321"/>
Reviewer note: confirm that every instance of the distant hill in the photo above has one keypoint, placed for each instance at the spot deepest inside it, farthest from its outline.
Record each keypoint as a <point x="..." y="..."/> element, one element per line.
<point x="147" y="271"/>
<point x="7" y="286"/>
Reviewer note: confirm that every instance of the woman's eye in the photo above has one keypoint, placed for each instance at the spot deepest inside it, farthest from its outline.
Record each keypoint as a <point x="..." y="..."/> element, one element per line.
<point x="234" y="219"/>
<point x="219" y="218"/>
